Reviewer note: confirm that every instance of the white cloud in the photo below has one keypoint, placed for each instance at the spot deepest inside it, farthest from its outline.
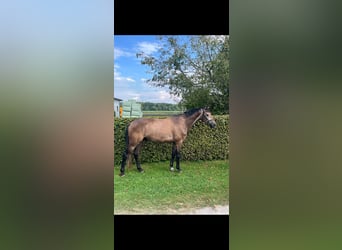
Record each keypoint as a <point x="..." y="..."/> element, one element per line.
<point x="159" y="96"/>
<point x="125" y="87"/>
<point x="116" y="72"/>
<point x="118" y="77"/>
<point x="125" y="90"/>
<point x="128" y="79"/>
<point x="121" y="53"/>
<point x="126" y="94"/>
<point x="148" y="48"/>
<point x="134" y="96"/>
<point x="163" y="95"/>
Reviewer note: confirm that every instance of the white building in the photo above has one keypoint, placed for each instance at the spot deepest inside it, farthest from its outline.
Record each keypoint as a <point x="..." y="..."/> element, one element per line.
<point x="117" y="107"/>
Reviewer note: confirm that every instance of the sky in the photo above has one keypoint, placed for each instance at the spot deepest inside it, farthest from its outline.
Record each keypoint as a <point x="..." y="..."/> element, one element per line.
<point x="130" y="75"/>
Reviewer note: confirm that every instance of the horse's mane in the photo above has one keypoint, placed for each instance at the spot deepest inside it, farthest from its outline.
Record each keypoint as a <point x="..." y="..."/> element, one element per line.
<point x="190" y="112"/>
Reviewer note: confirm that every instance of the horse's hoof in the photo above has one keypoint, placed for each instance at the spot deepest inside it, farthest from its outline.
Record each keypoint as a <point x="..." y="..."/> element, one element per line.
<point x="122" y="174"/>
<point x="179" y="170"/>
<point x="141" y="170"/>
<point x="172" y="169"/>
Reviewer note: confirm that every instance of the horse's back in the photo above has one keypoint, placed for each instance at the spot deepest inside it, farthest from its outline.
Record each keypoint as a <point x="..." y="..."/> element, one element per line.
<point x="155" y="129"/>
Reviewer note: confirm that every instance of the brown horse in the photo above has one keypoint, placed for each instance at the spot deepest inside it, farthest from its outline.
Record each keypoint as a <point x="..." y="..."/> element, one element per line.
<point x="171" y="129"/>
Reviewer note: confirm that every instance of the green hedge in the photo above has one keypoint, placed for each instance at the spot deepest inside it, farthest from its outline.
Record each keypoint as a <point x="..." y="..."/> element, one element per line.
<point x="202" y="143"/>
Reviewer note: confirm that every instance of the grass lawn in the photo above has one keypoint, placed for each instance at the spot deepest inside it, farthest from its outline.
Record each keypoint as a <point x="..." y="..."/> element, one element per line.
<point x="158" y="190"/>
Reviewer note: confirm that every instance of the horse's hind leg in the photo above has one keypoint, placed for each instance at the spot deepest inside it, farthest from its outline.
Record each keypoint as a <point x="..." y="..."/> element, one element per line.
<point x="136" y="157"/>
<point x="178" y="156"/>
<point x="123" y="162"/>
<point x="125" y="156"/>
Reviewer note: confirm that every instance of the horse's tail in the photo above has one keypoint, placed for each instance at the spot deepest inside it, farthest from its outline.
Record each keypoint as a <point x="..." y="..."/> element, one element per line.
<point x="126" y="136"/>
<point x="126" y="154"/>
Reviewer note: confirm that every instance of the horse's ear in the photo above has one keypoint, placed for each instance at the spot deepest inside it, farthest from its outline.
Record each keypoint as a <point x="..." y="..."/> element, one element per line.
<point x="206" y="108"/>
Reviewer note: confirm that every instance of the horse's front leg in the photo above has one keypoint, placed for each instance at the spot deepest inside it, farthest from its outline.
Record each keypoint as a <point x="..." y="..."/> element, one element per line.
<point x="173" y="155"/>
<point x="178" y="156"/>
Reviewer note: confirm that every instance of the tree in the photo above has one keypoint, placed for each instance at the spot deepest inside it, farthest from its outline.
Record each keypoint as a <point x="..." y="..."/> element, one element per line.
<point x="149" y="106"/>
<point x="195" y="68"/>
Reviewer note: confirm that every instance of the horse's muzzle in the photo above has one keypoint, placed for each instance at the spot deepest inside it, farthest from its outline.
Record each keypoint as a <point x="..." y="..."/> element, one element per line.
<point x="212" y="124"/>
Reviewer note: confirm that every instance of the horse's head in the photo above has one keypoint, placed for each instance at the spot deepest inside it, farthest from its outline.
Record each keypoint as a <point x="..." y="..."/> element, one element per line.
<point x="208" y="118"/>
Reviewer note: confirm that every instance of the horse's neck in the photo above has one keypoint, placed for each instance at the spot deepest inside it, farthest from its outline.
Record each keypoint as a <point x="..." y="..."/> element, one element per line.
<point x="191" y="120"/>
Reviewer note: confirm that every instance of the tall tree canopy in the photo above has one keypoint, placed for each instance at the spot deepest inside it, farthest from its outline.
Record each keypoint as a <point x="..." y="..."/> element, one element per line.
<point x="195" y="68"/>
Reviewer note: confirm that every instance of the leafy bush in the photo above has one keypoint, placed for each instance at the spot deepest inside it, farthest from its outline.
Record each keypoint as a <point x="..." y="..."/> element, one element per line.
<point x="202" y="143"/>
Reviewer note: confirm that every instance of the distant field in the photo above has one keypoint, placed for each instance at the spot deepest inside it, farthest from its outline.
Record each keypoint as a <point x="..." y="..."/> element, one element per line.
<point x="160" y="113"/>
